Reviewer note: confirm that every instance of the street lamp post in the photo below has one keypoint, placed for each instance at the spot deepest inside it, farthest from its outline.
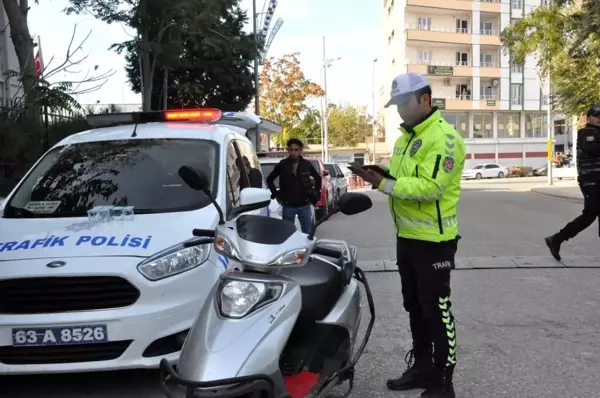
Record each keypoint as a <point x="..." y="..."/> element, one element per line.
<point x="550" y="130"/>
<point x="325" y="114"/>
<point x="374" y="118"/>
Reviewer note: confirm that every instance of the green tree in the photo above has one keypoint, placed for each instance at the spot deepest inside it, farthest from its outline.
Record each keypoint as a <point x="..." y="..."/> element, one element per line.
<point x="349" y="125"/>
<point x="309" y="128"/>
<point x="564" y="36"/>
<point x="283" y="93"/>
<point x="210" y="71"/>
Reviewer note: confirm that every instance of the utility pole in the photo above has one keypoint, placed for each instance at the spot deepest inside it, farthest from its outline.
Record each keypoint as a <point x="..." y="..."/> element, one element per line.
<point x="256" y="77"/>
<point x="326" y="112"/>
<point x="374" y="117"/>
<point x="550" y="131"/>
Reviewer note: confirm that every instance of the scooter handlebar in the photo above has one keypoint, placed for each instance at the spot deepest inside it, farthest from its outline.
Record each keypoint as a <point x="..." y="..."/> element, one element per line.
<point x="203" y="233"/>
<point x="329" y="252"/>
<point x="198" y="242"/>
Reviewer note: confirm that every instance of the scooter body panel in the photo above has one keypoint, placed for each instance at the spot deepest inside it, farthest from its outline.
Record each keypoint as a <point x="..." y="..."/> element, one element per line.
<point x="219" y="348"/>
<point x="347" y="311"/>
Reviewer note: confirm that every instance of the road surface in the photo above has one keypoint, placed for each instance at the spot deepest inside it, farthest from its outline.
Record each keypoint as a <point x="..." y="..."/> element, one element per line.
<point x="522" y="332"/>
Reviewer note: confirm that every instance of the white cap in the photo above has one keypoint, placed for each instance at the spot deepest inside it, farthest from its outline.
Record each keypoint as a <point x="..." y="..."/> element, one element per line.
<point x="406" y="83"/>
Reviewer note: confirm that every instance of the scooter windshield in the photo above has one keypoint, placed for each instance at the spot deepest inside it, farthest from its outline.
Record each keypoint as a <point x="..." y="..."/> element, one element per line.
<point x="264" y="230"/>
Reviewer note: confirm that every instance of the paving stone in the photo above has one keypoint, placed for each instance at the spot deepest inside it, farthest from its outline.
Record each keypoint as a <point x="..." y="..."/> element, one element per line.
<point x="371" y="266"/>
<point x="390" y="265"/>
<point x="492" y="262"/>
<point x="463" y="263"/>
<point x="537" y="262"/>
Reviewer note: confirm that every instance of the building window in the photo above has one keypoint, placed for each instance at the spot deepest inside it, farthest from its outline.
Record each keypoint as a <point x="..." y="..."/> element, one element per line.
<point x="462" y="59"/>
<point x="424" y="23"/>
<point x="516" y="94"/>
<point x="482" y="125"/>
<point x="517" y="4"/>
<point x="515" y="68"/>
<point x="536" y="125"/>
<point x="463" y="92"/>
<point x="460" y="122"/>
<point x="462" y="26"/>
<point x="486" y="60"/>
<point x="509" y="125"/>
<point x="425" y="57"/>
<point x="487" y="91"/>
<point x="485" y="28"/>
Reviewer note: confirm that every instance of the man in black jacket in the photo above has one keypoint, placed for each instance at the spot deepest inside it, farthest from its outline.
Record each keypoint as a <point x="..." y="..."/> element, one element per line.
<point x="296" y="192"/>
<point x="588" y="170"/>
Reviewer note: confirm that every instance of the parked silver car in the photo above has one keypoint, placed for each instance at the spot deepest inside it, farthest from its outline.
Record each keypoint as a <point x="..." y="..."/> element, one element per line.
<point x="339" y="180"/>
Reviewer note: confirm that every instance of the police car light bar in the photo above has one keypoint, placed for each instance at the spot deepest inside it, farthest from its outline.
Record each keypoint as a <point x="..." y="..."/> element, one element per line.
<point x="206" y="115"/>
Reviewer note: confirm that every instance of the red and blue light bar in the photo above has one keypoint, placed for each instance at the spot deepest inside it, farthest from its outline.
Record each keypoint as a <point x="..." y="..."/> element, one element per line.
<point x="202" y="115"/>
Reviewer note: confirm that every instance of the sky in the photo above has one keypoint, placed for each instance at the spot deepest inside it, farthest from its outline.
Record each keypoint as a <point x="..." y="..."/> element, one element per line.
<point x="351" y="30"/>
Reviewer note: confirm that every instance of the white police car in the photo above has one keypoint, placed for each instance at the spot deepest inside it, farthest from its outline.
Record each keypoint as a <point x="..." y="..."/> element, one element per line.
<point x="93" y="271"/>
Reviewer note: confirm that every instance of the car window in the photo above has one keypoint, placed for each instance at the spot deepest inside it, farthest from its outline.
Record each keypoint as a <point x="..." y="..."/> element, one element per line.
<point x="234" y="176"/>
<point x="479" y="166"/>
<point x="143" y="173"/>
<point x="315" y="164"/>
<point x="251" y="165"/>
<point x="492" y="166"/>
<point x="331" y="169"/>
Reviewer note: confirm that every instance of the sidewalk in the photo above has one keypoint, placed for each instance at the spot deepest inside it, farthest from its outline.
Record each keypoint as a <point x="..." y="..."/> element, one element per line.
<point x="561" y="190"/>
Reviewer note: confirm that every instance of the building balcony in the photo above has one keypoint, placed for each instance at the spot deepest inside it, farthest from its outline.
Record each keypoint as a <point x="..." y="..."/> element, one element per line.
<point x="462" y="69"/>
<point x="438" y="34"/>
<point x="464" y="102"/>
<point x="493" y="6"/>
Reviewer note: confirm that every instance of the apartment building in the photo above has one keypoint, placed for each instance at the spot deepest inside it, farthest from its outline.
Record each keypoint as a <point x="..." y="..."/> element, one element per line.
<point x="497" y="106"/>
<point x="9" y="64"/>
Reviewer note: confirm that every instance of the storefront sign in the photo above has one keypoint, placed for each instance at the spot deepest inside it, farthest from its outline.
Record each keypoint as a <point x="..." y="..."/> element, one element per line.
<point x="491" y="102"/>
<point x="342" y="157"/>
<point x="440" y="70"/>
<point x="439" y="103"/>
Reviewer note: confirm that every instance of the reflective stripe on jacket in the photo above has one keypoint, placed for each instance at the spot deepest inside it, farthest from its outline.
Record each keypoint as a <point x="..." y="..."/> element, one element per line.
<point x="427" y="162"/>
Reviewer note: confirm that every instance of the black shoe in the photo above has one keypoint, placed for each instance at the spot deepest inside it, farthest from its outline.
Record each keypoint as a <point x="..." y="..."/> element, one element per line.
<point x="418" y="374"/>
<point x="554" y="246"/>
<point x="443" y="387"/>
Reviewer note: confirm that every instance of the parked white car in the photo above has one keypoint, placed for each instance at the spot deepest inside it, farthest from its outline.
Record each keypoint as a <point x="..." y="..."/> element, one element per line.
<point x="486" y="170"/>
<point x="267" y="165"/>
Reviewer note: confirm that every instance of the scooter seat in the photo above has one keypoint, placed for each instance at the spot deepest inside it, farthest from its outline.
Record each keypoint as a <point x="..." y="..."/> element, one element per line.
<point x="321" y="286"/>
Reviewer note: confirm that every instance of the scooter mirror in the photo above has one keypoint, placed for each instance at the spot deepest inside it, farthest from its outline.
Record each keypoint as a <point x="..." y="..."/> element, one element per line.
<point x="196" y="179"/>
<point x="354" y="202"/>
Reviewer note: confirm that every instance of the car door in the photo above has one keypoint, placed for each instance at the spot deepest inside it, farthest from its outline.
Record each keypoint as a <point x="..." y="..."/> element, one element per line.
<point x="343" y="182"/>
<point x="492" y="170"/>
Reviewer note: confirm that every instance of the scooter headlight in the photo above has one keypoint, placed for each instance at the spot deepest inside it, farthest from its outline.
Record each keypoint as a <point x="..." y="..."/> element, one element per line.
<point x="294" y="257"/>
<point x="173" y="261"/>
<point x="239" y="298"/>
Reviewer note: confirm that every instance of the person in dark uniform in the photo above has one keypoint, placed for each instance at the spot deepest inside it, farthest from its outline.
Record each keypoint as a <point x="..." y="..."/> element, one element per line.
<point x="588" y="170"/>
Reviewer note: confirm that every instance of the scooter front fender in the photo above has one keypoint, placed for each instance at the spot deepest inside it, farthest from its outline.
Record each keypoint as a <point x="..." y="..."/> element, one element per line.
<point x="220" y="348"/>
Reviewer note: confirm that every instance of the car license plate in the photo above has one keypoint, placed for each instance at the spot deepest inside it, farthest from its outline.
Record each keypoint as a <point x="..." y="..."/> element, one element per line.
<point x="63" y="335"/>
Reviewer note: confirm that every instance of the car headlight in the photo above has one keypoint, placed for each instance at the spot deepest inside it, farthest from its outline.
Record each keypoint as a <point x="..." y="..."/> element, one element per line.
<point x="239" y="298"/>
<point x="174" y="261"/>
<point x="225" y="247"/>
<point x="294" y="257"/>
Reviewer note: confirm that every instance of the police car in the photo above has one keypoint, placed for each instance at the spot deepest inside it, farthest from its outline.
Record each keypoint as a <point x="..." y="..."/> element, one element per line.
<point x="93" y="271"/>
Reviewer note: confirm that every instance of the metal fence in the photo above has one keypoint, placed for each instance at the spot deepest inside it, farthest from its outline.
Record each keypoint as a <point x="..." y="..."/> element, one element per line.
<point x="27" y="135"/>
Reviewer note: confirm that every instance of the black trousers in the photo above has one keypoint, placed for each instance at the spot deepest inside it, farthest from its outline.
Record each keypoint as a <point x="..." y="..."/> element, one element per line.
<point x="425" y="274"/>
<point x="590" y="213"/>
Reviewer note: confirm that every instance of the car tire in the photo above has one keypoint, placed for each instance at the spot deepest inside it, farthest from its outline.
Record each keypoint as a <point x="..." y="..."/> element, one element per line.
<point x="501" y="175"/>
<point x="478" y="176"/>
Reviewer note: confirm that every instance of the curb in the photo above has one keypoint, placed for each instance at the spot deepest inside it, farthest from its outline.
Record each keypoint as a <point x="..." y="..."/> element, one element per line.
<point x="493" y="262"/>
<point x="553" y="195"/>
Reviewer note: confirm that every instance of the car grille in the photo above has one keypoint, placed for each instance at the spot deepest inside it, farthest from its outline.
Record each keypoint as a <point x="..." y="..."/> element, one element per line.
<point x="63" y="354"/>
<point x="65" y="294"/>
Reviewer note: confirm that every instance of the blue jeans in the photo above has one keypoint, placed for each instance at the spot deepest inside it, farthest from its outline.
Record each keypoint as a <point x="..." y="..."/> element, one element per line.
<point x="304" y="214"/>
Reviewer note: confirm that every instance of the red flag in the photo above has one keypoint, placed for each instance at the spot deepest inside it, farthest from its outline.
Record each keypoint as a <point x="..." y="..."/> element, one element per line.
<point x="39" y="63"/>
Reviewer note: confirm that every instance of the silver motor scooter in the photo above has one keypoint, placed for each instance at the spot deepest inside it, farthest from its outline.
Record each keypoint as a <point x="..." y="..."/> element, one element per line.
<point x="286" y="324"/>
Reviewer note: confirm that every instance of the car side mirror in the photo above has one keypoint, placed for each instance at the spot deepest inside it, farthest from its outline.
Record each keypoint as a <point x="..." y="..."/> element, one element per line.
<point x="196" y="179"/>
<point x="253" y="199"/>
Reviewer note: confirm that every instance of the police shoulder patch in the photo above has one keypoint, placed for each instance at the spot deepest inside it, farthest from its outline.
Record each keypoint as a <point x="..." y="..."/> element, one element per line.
<point x="415" y="148"/>
<point x="448" y="164"/>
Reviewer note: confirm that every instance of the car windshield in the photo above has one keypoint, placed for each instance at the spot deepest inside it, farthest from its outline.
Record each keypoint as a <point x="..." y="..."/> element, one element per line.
<point x="267" y="168"/>
<point x="72" y="179"/>
<point x="479" y="166"/>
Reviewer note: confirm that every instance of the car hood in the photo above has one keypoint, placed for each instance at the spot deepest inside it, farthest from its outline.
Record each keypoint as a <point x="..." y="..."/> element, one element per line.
<point x="146" y="234"/>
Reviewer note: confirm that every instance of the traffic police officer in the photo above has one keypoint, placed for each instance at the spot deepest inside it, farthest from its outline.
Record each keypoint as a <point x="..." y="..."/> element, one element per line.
<point x="427" y="165"/>
<point x="588" y="170"/>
